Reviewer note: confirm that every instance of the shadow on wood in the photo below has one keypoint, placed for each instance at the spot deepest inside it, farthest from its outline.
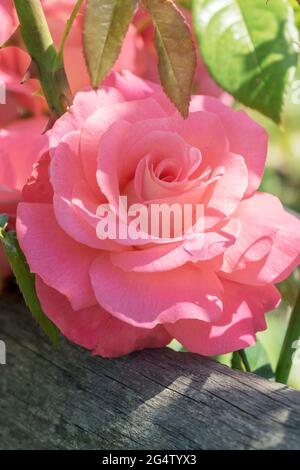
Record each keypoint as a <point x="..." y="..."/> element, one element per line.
<point x="159" y="399"/>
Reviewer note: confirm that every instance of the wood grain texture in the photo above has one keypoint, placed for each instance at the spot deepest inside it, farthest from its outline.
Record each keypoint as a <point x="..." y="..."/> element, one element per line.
<point x="150" y="400"/>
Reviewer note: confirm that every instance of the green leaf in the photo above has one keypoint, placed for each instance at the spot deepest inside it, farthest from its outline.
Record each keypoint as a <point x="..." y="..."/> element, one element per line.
<point x="289" y="288"/>
<point x="296" y="7"/>
<point x="265" y="371"/>
<point x="105" y="25"/>
<point x="185" y="4"/>
<point x="257" y="356"/>
<point x="176" y="52"/>
<point x="250" y="48"/>
<point x="25" y="279"/>
<point x="225" y="359"/>
<point x="3" y="221"/>
<point x="176" y="346"/>
<point x="67" y="30"/>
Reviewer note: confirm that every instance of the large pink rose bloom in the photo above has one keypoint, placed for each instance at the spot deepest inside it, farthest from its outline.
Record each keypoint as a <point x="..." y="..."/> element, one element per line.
<point x="117" y="296"/>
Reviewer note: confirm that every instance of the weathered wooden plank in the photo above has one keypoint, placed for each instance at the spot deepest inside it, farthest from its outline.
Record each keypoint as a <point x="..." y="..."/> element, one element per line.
<point x="151" y="400"/>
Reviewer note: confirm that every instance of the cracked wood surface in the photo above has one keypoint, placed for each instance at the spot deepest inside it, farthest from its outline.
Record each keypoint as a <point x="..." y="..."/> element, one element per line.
<point x="160" y="399"/>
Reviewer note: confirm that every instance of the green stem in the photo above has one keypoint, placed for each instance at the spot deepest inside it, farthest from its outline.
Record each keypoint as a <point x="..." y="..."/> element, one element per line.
<point x="244" y="359"/>
<point x="39" y="44"/>
<point x="68" y="29"/>
<point x="240" y="361"/>
<point x="292" y="334"/>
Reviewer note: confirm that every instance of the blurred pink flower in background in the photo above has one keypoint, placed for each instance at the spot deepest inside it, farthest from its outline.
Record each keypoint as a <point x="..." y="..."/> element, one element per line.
<point x="20" y="145"/>
<point x="21" y="123"/>
<point x="117" y="296"/>
<point x="20" y="101"/>
<point x="8" y="20"/>
<point x="20" y="142"/>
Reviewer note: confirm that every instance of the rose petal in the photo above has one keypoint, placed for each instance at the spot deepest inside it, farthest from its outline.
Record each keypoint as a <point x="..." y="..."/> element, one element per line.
<point x="245" y="136"/>
<point x="100" y="121"/>
<point x="75" y="205"/>
<point x="171" y="256"/>
<point x="242" y="318"/>
<point x="267" y="249"/>
<point x="85" y="103"/>
<point x="150" y="299"/>
<point x="95" y="329"/>
<point x="62" y="263"/>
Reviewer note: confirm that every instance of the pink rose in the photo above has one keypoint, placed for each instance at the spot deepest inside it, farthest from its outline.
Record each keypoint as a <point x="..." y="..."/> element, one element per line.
<point x="19" y="98"/>
<point x="20" y="145"/>
<point x="14" y="63"/>
<point x="118" y="295"/>
<point x="21" y="142"/>
<point x="8" y="20"/>
<point x="20" y="139"/>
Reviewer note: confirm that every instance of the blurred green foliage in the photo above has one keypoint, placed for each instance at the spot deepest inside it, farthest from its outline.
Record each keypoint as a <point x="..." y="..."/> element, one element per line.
<point x="281" y="178"/>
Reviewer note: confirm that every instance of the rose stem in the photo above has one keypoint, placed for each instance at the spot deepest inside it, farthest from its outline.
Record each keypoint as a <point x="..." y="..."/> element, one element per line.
<point x="292" y="334"/>
<point x="39" y="44"/>
<point x="68" y="29"/>
<point x="240" y="361"/>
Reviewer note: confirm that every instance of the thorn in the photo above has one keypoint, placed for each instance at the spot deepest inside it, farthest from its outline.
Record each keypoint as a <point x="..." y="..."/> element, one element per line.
<point x="38" y="93"/>
<point x="65" y="97"/>
<point x="65" y="101"/>
<point x="52" y="119"/>
<point x="15" y="40"/>
<point x="31" y="72"/>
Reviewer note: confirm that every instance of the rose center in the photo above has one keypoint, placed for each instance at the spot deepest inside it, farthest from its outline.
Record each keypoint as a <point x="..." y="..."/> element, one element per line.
<point x="167" y="170"/>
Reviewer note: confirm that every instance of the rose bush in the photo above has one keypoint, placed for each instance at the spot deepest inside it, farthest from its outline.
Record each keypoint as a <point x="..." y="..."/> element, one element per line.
<point x="117" y="296"/>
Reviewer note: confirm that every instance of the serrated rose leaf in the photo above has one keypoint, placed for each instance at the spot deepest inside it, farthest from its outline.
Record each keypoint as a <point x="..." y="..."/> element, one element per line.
<point x="176" y="51"/>
<point x="105" y="25"/>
